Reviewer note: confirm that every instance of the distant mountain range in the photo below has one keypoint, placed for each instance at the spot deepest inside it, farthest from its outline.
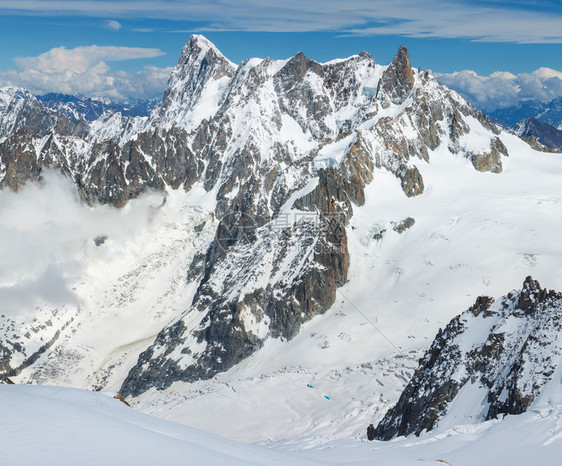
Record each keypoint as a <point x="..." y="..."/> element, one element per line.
<point x="76" y="107"/>
<point x="540" y="123"/>
<point x="545" y="112"/>
<point x="544" y="134"/>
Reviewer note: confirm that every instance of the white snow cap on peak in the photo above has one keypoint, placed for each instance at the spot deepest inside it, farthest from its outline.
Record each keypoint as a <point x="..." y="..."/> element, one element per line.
<point x="202" y="42"/>
<point x="13" y="90"/>
<point x="200" y="46"/>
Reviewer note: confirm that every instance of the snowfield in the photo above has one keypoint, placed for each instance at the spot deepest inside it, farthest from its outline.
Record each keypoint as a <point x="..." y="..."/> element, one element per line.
<point x="50" y="425"/>
<point x="474" y="234"/>
<point x="53" y="425"/>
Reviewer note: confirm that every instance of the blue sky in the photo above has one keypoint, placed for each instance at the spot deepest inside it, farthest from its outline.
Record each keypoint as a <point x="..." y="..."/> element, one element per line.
<point x="48" y="43"/>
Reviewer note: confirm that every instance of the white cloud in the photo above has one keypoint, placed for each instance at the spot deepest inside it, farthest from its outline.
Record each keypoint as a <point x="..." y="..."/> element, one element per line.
<point x="113" y="25"/>
<point x="84" y="70"/>
<point x="509" y="21"/>
<point x="502" y="89"/>
<point x="47" y="240"/>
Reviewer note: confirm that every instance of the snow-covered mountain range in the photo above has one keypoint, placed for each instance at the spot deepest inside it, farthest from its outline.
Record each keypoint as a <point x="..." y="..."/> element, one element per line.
<point x="77" y="107"/>
<point x="547" y="136"/>
<point x="275" y="218"/>
<point x="545" y="112"/>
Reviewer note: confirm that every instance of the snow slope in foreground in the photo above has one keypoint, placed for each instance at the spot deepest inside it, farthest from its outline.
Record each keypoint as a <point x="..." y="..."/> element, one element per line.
<point x="532" y="438"/>
<point x="49" y="425"/>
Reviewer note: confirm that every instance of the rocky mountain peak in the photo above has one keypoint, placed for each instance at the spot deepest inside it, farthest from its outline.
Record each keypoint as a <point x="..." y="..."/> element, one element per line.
<point x="200" y="66"/>
<point x="271" y="138"/>
<point x="299" y="65"/>
<point x="540" y="135"/>
<point x="398" y="79"/>
<point x="197" y="48"/>
<point x="498" y="354"/>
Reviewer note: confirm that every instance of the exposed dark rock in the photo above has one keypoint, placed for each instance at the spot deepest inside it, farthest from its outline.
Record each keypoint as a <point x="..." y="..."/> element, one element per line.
<point x="513" y="363"/>
<point x="398" y="79"/>
<point x="402" y="226"/>
<point x="490" y="161"/>
<point x="412" y="182"/>
<point x="99" y="240"/>
<point x="540" y="136"/>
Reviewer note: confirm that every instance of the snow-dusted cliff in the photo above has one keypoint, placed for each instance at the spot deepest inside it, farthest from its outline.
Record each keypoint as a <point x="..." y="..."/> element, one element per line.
<point x="492" y="360"/>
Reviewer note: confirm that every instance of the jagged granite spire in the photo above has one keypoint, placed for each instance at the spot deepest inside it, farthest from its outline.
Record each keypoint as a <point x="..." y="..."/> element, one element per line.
<point x="398" y="79"/>
<point x="501" y="352"/>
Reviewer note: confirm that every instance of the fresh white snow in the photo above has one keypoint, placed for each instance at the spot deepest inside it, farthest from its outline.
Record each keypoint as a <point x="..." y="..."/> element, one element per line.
<point x="53" y="425"/>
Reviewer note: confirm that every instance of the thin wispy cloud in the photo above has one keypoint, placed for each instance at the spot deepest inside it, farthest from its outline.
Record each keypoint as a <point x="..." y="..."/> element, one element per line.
<point x="85" y="70"/>
<point x="497" y="21"/>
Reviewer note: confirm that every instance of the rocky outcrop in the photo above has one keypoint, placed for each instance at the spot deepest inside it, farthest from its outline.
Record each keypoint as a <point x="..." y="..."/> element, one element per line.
<point x="20" y="110"/>
<point x="398" y="79"/>
<point x="490" y="161"/>
<point x="541" y="136"/>
<point x="199" y="65"/>
<point x="402" y="226"/>
<point x="505" y="350"/>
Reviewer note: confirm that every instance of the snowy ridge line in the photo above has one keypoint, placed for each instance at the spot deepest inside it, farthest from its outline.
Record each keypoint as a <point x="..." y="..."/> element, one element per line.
<point x="492" y="360"/>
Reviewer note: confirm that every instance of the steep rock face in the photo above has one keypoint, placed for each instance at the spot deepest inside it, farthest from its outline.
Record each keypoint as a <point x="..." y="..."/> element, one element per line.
<point x="104" y="172"/>
<point x="490" y="161"/>
<point x="547" y="136"/>
<point x="201" y="72"/>
<point x="398" y="79"/>
<point x="504" y="351"/>
<point x="286" y="148"/>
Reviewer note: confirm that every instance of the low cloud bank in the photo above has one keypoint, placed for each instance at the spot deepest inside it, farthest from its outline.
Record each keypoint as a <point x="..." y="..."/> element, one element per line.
<point x="84" y="70"/>
<point x="47" y="241"/>
<point x="503" y="89"/>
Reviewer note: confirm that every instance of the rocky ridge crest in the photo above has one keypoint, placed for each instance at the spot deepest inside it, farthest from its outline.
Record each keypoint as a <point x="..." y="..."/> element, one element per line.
<point x="507" y="349"/>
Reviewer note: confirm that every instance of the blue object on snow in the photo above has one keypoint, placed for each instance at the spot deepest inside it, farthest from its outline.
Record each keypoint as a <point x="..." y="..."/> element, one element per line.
<point x="309" y="386"/>
<point x="327" y="397"/>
